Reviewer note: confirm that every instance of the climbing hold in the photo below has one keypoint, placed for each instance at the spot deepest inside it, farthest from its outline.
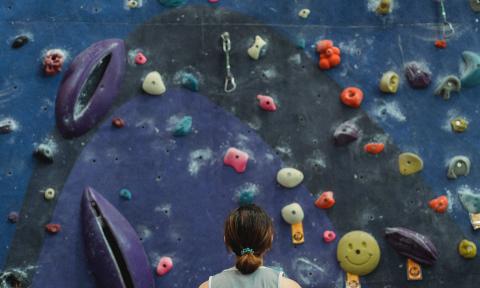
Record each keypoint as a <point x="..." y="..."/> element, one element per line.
<point x="409" y="163"/>
<point x="448" y="85"/>
<point x="266" y="103"/>
<point x="13" y="217"/>
<point x="352" y="97"/>
<point x="172" y="3"/>
<point x="190" y="81"/>
<point x="325" y="200"/>
<point x="439" y="204"/>
<point x="412" y="244"/>
<point x="132" y="4"/>
<point x="459" y="124"/>
<point x="458" y="166"/>
<point x="470" y="201"/>
<point x="329" y="236"/>
<point x="7" y="125"/>
<point x="384" y="7"/>
<point x="53" y="228"/>
<point x="140" y="59"/>
<point x="165" y="264"/>
<point x="20" y="41"/>
<point x="374" y="148"/>
<point x="236" y="159"/>
<point x="475" y="5"/>
<point x="418" y="75"/>
<point x="301" y="43"/>
<point x="304" y="13"/>
<point x="441" y="44"/>
<point x="389" y="82"/>
<point x="258" y="48"/>
<point x="329" y="54"/>
<point x="358" y="253"/>
<point x="183" y="127"/>
<point x="246" y="197"/>
<point x="44" y="152"/>
<point x="153" y="84"/>
<point x="346" y="133"/>
<point x="470" y="74"/>
<point x="49" y="194"/>
<point x="467" y="249"/>
<point x="125" y="194"/>
<point x="118" y="122"/>
<point x="293" y="214"/>
<point x="289" y="177"/>
<point x="213" y="1"/>
<point x="53" y="61"/>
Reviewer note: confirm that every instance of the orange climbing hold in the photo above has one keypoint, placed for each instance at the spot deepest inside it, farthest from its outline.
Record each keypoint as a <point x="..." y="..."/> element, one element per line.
<point x="439" y="204"/>
<point x="442" y="44"/>
<point x="374" y="148"/>
<point x="329" y="54"/>
<point x="326" y="200"/>
<point x="352" y="97"/>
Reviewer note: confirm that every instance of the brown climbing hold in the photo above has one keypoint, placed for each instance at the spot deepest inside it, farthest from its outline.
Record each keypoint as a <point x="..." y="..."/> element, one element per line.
<point x="439" y="204"/>
<point x="53" y="228"/>
<point x="118" y="122"/>
<point x="53" y="61"/>
<point x="352" y="97"/>
<point x="374" y="148"/>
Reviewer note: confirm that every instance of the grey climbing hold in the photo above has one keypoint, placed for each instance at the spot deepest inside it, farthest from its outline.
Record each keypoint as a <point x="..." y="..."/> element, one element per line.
<point x="475" y="5"/>
<point x="346" y="133"/>
<point x="470" y="200"/>
<point x="458" y="166"/>
<point x="183" y="127"/>
<point x="20" y="41"/>
<point x="190" y="81"/>
<point x="448" y="85"/>
<point x="44" y="152"/>
<point x="153" y="84"/>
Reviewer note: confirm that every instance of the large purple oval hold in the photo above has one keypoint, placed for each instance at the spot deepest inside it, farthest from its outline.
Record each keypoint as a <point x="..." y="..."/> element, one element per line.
<point x="112" y="246"/>
<point x="418" y="75"/>
<point x="89" y="87"/>
<point x="412" y="245"/>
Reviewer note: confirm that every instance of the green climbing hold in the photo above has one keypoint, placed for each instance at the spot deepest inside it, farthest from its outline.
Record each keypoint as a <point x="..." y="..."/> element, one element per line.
<point x="471" y="73"/>
<point x="467" y="249"/>
<point x="190" y="82"/>
<point x="470" y="200"/>
<point x="125" y="194"/>
<point x="183" y="127"/>
<point x="172" y="3"/>
<point x="459" y="124"/>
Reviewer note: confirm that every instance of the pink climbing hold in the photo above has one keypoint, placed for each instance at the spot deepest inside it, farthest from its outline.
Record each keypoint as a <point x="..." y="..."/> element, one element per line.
<point x="213" y="1"/>
<point x="164" y="265"/>
<point x="329" y="236"/>
<point x="140" y="59"/>
<point x="266" y="103"/>
<point x="236" y="159"/>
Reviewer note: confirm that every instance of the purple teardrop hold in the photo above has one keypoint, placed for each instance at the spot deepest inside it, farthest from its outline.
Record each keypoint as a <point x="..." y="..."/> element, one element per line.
<point x="89" y="87"/>
<point x="113" y="248"/>
<point x="419" y="77"/>
<point x="412" y="245"/>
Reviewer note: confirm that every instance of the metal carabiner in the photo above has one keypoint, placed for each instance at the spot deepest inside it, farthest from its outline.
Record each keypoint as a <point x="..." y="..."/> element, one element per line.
<point x="447" y="27"/>
<point x="230" y="84"/>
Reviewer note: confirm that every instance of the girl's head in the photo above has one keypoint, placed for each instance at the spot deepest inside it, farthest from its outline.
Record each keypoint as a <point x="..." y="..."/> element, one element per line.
<point x="249" y="234"/>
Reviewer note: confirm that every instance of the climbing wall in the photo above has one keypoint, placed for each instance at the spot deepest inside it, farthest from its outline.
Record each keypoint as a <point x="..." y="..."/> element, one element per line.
<point x="170" y="181"/>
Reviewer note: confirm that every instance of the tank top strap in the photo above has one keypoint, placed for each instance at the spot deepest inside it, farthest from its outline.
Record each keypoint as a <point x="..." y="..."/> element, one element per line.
<point x="264" y="277"/>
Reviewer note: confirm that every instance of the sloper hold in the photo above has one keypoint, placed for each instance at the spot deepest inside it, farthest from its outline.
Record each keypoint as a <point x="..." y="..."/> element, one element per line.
<point x="458" y="166"/>
<point x="113" y="248"/>
<point x="412" y="245"/>
<point x="470" y="75"/>
<point x="153" y="84"/>
<point x="346" y="133"/>
<point x="409" y="163"/>
<point x="448" y="85"/>
<point x="293" y="213"/>
<point x="89" y="87"/>
<point x="470" y="201"/>
<point x="289" y="177"/>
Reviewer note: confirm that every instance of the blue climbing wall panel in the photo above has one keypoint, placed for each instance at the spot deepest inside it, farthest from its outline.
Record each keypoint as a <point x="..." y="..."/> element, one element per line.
<point x="181" y="189"/>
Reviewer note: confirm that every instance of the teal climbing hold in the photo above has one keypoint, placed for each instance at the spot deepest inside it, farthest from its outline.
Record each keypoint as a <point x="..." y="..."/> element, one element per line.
<point x="470" y="200"/>
<point x="301" y="43"/>
<point x="190" y="82"/>
<point x="471" y="72"/>
<point x="183" y="127"/>
<point x="246" y="197"/>
<point x="172" y="3"/>
<point x="126" y="194"/>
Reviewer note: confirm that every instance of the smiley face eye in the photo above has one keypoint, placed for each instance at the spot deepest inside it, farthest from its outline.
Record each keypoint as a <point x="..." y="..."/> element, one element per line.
<point x="350" y="245"/>
<point x="364" y="244"/>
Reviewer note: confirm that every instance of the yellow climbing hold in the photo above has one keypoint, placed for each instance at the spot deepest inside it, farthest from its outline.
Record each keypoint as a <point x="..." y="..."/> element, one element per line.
<point x="389" y="82"/>
<point x="459" y="124"/>
<point x="467" y="249"/>
<point x="384" y="7"/>
<point x="409" y="163"/>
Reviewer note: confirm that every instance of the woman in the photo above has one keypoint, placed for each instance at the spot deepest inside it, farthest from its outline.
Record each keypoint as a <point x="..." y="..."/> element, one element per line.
<point x="249" y="234"/>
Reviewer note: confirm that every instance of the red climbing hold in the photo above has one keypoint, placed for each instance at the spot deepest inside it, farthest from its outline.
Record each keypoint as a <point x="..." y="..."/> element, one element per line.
<point x="266" y="103"/>
<point x="118" y="122"/>
<point x="442" y="44"/>
<point x="236" y="159"/>
<point x="53" y="61"/>
<point x="140" y="59"/>
<point x="439" y="204"/>
<point x="53" y="228"/>
<point x="374" y="148"/>
<point x="325" y="200"/>
<point x="352" y="97"/>
<point x="165" y="264"/>
<point x="329" y="236"/>
<point x="329" y="54"/>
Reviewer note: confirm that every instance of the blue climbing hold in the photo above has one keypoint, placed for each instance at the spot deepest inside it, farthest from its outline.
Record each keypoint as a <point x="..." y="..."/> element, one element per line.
<point x="183" y="127"/>
<point x="172" y="3"/>
<point x="245" y="197"/>
<point x="126" y="194"/>
<point x="471" y="72"/>
<point x="190" y="82"/>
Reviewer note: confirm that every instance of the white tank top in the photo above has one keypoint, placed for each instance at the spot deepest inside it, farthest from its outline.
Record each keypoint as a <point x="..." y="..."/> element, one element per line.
<point x="263" y="277"/>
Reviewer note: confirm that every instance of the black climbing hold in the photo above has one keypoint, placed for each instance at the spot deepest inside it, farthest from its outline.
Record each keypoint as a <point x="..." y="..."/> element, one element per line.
<point x="20" y="41"/>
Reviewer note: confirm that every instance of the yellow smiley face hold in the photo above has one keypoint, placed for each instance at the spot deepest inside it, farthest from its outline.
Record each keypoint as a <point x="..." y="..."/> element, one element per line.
<point x="358" y="253"/>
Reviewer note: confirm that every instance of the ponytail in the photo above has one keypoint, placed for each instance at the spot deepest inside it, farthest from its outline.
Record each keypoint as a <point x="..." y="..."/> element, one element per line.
<point x="248" y="263"/>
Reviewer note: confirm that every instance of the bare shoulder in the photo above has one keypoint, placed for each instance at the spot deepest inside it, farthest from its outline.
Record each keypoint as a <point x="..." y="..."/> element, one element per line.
<point x="287" y="283"/>
<point x="204" y="285"/>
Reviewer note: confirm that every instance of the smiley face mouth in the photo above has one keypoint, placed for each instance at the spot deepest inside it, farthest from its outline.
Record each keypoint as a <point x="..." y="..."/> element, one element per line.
<point x="359" y="263"/>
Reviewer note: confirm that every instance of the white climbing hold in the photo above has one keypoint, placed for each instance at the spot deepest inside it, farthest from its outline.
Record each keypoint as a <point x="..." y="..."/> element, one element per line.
<point x="256" y="50"/>
<point x="153" y="84"/>
<point x="289" y="177"/>
<point x="304" y="13"/>
<point x="293" y="213"/>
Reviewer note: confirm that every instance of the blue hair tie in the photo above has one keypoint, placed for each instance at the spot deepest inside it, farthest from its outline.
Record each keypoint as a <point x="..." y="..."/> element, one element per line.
<point x="246" y="251"/>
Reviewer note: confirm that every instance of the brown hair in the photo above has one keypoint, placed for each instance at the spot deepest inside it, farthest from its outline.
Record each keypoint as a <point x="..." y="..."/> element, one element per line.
<point x="248" y="227"/>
